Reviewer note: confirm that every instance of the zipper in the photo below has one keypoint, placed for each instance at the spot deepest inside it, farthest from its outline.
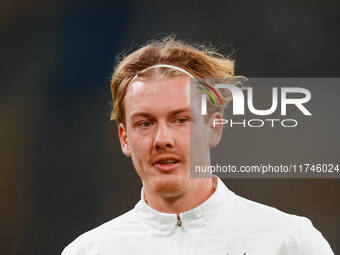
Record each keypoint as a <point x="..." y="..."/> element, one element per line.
<point x="179" y="237"/>
<point x="179" y="222"/>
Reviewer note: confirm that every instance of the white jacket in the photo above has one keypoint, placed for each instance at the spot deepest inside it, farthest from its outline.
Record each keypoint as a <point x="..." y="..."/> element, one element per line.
<point x="224" y="224"/>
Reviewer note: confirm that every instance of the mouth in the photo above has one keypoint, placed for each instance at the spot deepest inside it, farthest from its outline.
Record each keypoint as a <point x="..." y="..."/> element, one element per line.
<point x="166" y="164"/>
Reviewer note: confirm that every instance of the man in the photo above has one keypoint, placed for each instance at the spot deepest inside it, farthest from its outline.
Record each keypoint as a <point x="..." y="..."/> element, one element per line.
<point x="178" y="214"/>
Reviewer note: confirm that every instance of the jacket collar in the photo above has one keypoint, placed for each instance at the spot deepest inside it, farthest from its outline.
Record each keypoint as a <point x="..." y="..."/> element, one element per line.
<point x="212" y="207"/>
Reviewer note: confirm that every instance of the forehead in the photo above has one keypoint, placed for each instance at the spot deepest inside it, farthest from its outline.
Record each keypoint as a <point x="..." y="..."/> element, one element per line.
<point x="158" y="95"/>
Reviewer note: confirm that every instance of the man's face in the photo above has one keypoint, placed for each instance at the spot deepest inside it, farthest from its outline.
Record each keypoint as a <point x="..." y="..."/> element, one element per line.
<point x="157" y="133"/>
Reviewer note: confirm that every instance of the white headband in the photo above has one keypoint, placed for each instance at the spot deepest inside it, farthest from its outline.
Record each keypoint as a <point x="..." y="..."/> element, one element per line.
<point x="163" y="65"/>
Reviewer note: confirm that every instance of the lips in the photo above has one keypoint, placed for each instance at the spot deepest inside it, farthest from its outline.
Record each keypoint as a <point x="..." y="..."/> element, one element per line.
<point x="166" y="163"/>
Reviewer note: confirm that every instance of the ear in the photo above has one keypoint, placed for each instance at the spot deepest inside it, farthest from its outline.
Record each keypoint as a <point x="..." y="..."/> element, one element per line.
<point x="124" y="143"/>
<point x="215" y="129"/>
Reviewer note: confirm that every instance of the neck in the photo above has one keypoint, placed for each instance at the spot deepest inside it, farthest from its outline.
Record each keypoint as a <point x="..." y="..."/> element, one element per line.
<point x="197" y="194"/>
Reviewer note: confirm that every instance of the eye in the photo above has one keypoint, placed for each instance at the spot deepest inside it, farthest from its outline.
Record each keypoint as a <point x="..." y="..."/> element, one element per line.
<point x="144" y="124"/>
<point x="181" y="120"/>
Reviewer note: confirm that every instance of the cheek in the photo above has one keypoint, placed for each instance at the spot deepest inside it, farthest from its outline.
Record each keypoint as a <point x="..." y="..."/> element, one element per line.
<point x="186" y="141"/>
<point x="140" y="146"/>
<point x="139" y="155"/>
<point x="199" y="146"/>
<point x="199" y="133"/>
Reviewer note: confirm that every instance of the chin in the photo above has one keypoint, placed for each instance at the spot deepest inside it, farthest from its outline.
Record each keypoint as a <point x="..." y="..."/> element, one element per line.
<point x="169" y="186"/>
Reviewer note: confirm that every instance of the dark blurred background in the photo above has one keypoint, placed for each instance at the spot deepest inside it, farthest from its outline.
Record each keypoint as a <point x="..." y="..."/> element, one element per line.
<point x="61" y="169"/>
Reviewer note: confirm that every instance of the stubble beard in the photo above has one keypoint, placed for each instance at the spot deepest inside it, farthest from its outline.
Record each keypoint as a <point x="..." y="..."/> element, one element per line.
<point x="171" y="186"/>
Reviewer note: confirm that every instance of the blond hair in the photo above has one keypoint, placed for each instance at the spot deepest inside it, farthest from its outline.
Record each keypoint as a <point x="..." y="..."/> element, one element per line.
<point x="201" y="61"/>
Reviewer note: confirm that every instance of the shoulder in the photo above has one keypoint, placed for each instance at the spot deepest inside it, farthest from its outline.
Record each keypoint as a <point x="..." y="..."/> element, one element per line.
<point x="298" y="231"/>
<point x="108" y="232"/>
<point x="265" y="214"/>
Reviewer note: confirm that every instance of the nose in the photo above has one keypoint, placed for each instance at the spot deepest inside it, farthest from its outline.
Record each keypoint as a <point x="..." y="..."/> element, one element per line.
<point x="163" y="137"/>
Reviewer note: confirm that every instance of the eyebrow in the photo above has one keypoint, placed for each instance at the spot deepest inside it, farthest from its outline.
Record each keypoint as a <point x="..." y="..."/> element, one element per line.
<point x="148" y="115"/>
